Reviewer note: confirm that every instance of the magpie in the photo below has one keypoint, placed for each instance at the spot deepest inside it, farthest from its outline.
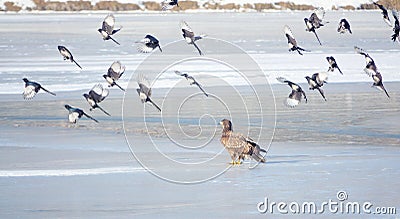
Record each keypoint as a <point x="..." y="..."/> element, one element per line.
<point x="191" y="80"/>
<point x="168" y="4"/>
<point x="144" y="91"/>
<point x="148" y="44"/>
<point x="396" y="28"/>
<point x="189" y="35"/>
<point x="292" y="41"/>
<point x="67" y="55"/>
<point x="344" y="26"/>
<point x="96" y="95"/>
<point x="315" y="22"/>
<point x="115" y="71"/>
<point x="32" y="88"/>
<point x="333" y="64"/>
<point x="296" y="95"/>
<point x="384" y="13"/>
<point x="107" y="28"/>
<point x="316" y="81"/>
<point x="74" y="114"/>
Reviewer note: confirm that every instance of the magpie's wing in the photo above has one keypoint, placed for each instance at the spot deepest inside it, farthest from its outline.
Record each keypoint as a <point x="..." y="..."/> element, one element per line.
<point x="144" y="84"/>
<point x="116" y="70"/>
<point x="289" y="35"/>
<point x="108" y="24"/>
<point x="142" y="46"/>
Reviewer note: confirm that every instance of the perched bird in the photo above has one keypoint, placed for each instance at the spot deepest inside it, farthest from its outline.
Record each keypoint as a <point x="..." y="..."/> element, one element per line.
<point x="107" y="28"/>
<point x="316" y="81"/>
<point x="32" y="88"/>
<point x="75" y="114"/>
<point x="396" y="27"/>
<point x="377" y="77"/>
<point x="189" y="36"/>
<point x="96" y="95"/>
<point x="191" y="80"/>
<point x="115" y="71"/>
<point x="168" y="4"/>
<point x="292" y="41"/>
<point x="67" y="55"/>
<point x="315" y="22"/>
<point x="384" y="13"/>
<point x="148" y="44"/>
<point x="344" y="26"/>
<point x="333" y="64"/>
<point x="296" y="95"/>
<point x="144" y="91"/>
<point x="239" y="146"/>
<point x="370" y="67"/>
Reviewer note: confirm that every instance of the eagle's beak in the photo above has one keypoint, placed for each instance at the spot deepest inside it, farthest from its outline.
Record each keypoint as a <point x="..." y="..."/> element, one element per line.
<point x="220" y="123"/>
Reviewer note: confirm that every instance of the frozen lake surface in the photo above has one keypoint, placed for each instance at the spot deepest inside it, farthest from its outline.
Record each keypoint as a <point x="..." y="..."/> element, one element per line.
<point x="50" y="169"/>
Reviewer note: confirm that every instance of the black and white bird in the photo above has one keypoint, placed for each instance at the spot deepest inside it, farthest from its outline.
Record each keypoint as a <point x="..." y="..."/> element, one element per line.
<point x="67" y="55"/>
<point x="296" y="95"/>
<point x="396" y="28"/>
<point x="384" y="13"/>
<point x="96" y="95"/>
<point x="189" y="35"/>
<point x="107" y="28"/>
<point x="372" y="71"/>
<point x="144" y="91"/>
<point x="316" y="81"/>
<point x="74" y="114"/>
<point x="32" y="88"/>
<point x="191" y="80"/>
<point x="315" y="22"/>
<point x="168" y="4"/>
<point x="115" y="71"/>
<point x="344" y="26"/>
<point x="370" y="67"/>
<point x="333" y="64"/>
<point x="148" y="44"/>
<point x="292" y="41"/>
<point x="377" y="77"/>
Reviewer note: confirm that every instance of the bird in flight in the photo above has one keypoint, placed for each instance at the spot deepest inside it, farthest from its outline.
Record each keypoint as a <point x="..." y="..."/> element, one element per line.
<point x="239" y="146"/>
<point x="168" y="4"/>
<point x="32" y="88"/>
<point x="384" y="13"/>
<point x="316" y="81"/>
<point x="192" y="81"/>
<point x="333" y="64"/>
<point x="67" y="55"/>
<point x="148" y="44"/>
<point x="107" y="28"/>
<point x="372" y="71"/>
<point x="115" y="71"/>
<point x="344" y="26"/>
<point x="296" y="95"/>
<point x="314" y="22"/>
<point x="292" y="41"/>
<point x="144" y="91"/>
<point x="396" y="28"/>
<point x="189" y="35"/>
<point x="96" y="95"/>
<point x="74" y="114"/>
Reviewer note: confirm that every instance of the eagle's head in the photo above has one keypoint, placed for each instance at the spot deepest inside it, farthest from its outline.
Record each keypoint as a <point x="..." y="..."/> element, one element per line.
<point x="226" y="125"/>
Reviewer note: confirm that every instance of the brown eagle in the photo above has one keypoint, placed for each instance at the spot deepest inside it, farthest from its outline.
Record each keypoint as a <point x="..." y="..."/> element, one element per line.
<point x="238" y="145"/>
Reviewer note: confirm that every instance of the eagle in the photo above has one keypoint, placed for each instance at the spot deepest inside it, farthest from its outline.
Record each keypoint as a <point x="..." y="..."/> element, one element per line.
<point x="238" y="145"/>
